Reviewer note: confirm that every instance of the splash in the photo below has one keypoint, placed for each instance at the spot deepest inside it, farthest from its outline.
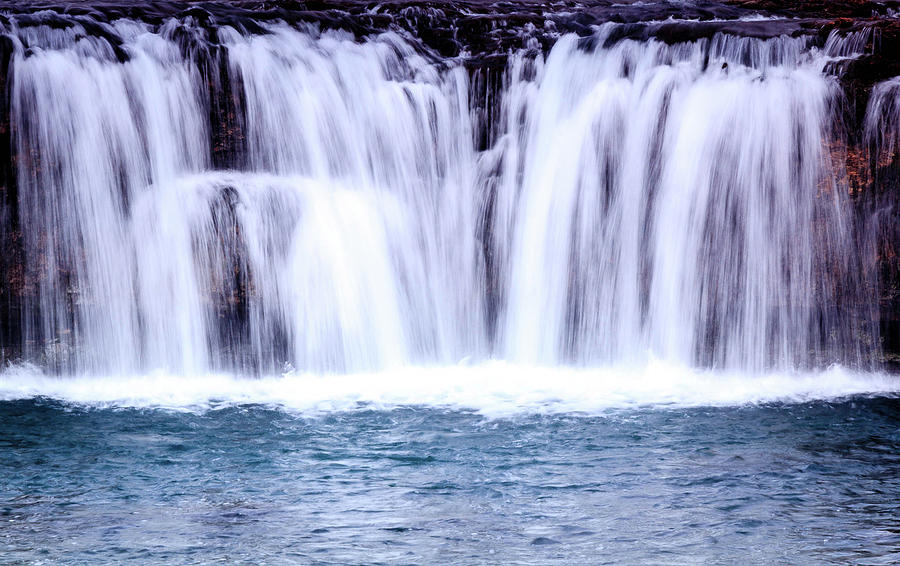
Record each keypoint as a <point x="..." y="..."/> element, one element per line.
<point x="495" y="389"/>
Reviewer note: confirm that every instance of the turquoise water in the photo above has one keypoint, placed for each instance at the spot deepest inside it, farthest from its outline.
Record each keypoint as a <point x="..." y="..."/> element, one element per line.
<point x="788" y="483"/>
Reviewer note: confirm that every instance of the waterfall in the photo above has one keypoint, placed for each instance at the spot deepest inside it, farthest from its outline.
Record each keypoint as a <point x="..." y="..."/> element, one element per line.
<point x="882" y="137"/>
<point x="882" y="127"/>
<point x="678" y="200"/>
<point x="287" y="197"/>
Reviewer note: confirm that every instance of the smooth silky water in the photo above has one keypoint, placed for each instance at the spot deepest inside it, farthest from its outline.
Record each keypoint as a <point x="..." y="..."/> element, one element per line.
<point x="635" y="323"/>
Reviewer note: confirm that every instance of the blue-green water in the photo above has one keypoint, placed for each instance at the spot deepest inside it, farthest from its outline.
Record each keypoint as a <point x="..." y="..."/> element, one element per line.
<point x="790" y="483"/>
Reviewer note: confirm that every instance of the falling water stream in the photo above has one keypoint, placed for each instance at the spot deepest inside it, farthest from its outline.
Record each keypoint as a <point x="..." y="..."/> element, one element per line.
<point x="639" y="201"/>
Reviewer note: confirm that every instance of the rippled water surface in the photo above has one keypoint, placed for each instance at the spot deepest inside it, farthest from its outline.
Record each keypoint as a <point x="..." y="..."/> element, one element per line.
<point x="812" y="483"/>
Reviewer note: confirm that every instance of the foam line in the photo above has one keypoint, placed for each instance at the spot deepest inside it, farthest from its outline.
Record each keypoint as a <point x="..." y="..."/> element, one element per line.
<point x="493" y="389"/>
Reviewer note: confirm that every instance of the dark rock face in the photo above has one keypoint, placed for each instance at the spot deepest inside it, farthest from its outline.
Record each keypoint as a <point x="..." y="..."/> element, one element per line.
<point x="486" y="32"/>
<point x="873" y="168"/>
<point x="818" y="8"/>
<point x="478" y="27"/>
<point x="11" y="262"/>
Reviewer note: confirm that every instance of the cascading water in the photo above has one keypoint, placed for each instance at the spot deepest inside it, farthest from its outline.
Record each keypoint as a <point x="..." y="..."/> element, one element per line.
<point x="638" y="200"/>
<point x="678" y="200"/>
<point x="361" y="253"/>
<point x="882" y="137"/>
<point x="882" y="127"/>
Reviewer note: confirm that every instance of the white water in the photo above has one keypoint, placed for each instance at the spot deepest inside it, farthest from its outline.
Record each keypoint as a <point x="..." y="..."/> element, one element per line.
<point x="495" y="389"/>
<point x="641" y="202"/>
<point x="678" y="205"/>
<point x="882" y="128"/>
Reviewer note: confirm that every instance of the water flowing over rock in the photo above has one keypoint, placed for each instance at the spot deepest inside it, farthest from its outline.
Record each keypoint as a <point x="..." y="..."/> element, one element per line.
<point x="249" y="187"/>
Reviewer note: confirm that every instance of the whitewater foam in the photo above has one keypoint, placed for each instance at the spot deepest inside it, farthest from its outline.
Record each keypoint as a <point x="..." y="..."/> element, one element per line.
<point x="494" y="389"/>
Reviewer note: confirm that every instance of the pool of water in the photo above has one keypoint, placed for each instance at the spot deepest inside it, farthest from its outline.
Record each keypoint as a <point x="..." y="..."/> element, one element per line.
<point x="797" y="482"/>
